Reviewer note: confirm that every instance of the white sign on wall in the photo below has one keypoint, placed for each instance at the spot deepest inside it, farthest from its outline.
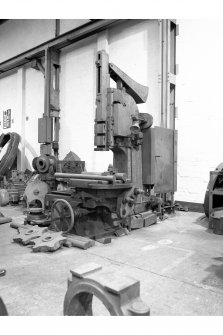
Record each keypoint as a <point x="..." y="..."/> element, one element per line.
<point x="7" y="119"/>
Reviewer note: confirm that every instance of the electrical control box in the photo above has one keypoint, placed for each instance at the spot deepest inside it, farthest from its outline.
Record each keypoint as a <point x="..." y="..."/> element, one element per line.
<point x="159" y="157"/>
<point x="45" y="128"/>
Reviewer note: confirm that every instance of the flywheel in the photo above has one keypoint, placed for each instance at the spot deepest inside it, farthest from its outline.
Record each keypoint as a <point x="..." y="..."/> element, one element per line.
<point x="62" y="216"/>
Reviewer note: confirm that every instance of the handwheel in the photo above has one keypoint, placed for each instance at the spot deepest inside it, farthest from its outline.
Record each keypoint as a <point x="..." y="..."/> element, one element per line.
<point x="62" y="216"/>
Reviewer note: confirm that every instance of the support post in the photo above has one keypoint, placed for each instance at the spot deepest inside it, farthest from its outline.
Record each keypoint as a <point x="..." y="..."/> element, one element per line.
<point x="49" y="124"/>
<point x="21" y="105"/>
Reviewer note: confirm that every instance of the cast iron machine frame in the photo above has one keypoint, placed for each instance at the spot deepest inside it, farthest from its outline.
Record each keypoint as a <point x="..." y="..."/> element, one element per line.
<point x="105" y="202"/>
<point x="96" y="204"/>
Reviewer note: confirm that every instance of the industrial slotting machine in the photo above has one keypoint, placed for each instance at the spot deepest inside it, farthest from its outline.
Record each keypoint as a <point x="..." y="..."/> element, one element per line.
<point x="96" y="205"/>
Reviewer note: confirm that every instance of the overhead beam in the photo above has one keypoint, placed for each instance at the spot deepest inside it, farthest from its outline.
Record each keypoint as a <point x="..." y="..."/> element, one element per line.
<point x="58" y="43"/>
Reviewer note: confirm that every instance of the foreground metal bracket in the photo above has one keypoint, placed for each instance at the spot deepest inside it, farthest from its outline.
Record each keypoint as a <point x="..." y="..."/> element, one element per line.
<point x="49" y="242"/>
<point x="119" y="294"/>
<point x="40" y="238"/>
<point x="26" y="236"/>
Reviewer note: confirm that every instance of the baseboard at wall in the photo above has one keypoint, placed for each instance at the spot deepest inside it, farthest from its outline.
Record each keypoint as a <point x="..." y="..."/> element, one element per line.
<point x="192" y="206"/>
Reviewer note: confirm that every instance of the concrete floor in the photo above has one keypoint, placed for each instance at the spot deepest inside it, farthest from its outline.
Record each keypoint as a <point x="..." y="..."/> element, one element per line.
<point x="179" y="263"/>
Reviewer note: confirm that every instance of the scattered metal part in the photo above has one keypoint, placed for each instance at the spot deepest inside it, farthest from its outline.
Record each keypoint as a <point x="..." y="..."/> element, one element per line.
<point x="78" y="241"/>
<point x="149" y="219"/>
<point x="2" y="272"/>
<point x="49" y="242"/>
<point x="18" y="225"/>
<point x="141" y="220"/>
<point x="104" y="240"/>
<point x="136" y="221"/>
<point x="119" y="294"/>
<point x="27" y="236"/>
<point x="121" y="232"/>
<point x="3" y="310"/>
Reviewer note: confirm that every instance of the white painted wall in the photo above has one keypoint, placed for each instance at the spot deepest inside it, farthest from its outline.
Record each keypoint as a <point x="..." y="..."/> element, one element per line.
<point x="10" y="99"/>
<point x="77" y="100"/>
<point x="17" y="36"/>
<point x="69" y="24"/>
<point x="133" y="47"/>
<point x="33" y="109"/>
<point x="22" y="92"/>
<point x="199" y="98"/>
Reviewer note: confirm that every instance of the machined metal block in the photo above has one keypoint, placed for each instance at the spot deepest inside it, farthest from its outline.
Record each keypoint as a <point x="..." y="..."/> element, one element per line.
<point x="26" y="236"/>
<point x="119" y="293"/>
<point x="49" y="242"/>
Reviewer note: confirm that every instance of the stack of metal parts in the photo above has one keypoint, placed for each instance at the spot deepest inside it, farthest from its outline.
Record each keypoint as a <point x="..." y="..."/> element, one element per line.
<point x="36" y="216"/>
<point x="42" y="239"/>
<point x="16" y="186"/>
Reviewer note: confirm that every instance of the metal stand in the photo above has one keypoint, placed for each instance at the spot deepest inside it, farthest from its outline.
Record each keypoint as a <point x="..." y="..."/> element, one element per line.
<point x="119" y="294"/>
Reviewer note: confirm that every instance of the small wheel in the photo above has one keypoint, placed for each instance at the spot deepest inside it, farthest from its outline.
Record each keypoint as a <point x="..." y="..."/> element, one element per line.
<point x="42" y="164"/>
<point x="62" y="216"/>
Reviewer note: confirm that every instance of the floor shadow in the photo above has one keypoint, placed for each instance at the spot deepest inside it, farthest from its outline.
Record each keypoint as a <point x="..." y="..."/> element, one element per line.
<point x="215" y="278"/>
<point x="218" y="259"/>
<point x="203" y="221"/>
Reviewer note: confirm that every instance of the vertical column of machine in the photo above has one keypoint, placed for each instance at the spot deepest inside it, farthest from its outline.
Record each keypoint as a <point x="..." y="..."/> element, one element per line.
<point x="48" y="132"/>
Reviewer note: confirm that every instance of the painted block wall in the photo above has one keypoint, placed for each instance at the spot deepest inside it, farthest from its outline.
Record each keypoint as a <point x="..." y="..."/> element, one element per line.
<point x="199" y="101"/>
